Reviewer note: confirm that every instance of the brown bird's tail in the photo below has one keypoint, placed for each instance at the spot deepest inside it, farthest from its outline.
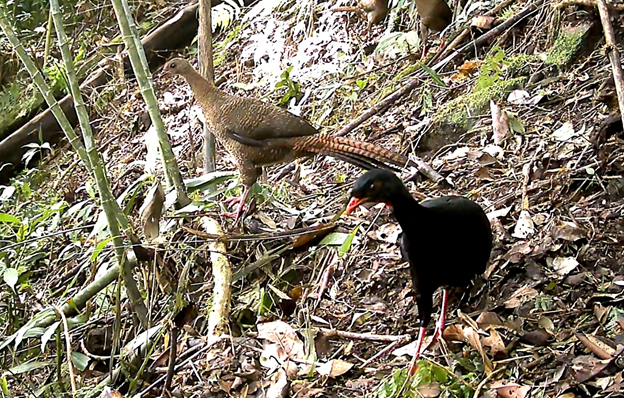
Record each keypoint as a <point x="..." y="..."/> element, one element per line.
<point x="363" y="154"/>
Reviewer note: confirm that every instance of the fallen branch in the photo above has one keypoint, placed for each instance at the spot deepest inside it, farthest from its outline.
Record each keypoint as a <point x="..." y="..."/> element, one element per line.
<point x="588" y="3"/>
<point x="222" y="276"/>
<point x="612" y="51"/>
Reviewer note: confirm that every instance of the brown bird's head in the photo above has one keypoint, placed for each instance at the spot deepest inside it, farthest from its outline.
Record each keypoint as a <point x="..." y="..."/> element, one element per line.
<point x="177" y="66"/>
<point x="376" y="186"/>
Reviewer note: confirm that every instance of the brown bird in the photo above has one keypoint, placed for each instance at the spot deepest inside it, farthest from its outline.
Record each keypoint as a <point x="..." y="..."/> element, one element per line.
<point x="376" y="10"/>
<point x="435" y="15"/>
<point x="259" y="134"/>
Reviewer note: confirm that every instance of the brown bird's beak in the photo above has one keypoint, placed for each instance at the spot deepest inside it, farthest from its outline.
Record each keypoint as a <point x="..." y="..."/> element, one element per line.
<point x="354" y="203"/>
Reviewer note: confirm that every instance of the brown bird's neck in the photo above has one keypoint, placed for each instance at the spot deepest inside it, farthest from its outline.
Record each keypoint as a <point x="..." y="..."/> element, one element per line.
<point x="203" y="89"/>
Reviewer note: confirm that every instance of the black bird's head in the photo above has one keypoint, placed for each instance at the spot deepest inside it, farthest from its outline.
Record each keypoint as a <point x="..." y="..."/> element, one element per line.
<point x="376" y="186"/>
<point x="177" y="66"/>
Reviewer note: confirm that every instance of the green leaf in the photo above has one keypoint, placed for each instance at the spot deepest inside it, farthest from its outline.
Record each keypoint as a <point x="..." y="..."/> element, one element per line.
<point x="439" y="374"/>
<point x="10" y="278"/>
<point x="7" y="218"/>
<point x="436" y="78"/>
<point x="100" y="246"/>
<point x="334" y="239"/>
<point x="47" y="335"/>
<point x="346" y="245"/>
<point x="80" y="360"/>
<point x="26" y="367"/>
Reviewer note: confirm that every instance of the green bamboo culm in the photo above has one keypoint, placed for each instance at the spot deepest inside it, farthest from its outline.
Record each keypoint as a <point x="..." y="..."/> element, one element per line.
<point x="114" y="216"/>
<point x="138" y="60"/>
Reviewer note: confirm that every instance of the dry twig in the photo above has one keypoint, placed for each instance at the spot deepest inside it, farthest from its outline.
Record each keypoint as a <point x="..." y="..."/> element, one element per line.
<point x="612" y="51"/>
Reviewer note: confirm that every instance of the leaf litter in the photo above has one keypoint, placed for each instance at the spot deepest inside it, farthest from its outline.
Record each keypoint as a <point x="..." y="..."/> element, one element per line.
<point x="547" y="321"/>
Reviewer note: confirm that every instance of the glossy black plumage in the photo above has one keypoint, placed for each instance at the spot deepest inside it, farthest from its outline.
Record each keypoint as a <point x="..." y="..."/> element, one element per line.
<point x="447" y="241"/>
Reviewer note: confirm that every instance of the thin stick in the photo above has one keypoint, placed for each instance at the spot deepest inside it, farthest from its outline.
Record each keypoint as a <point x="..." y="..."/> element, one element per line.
<point x="329" y="333"/>
<point x="70" y="367"/>
<point x="612" y="51"/>
<point x="380" y="354"/>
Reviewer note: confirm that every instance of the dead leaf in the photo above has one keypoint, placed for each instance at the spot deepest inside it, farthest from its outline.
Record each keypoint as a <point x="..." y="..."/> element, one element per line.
<point x="539" y="337"/>
<point x="151" y="211"/>
<point x="567" y="231"/>
<point x="281" y="333"/>
<point x="483" y="22"/>
<point x="472" y="338"/>
<point x="595" y="345"/>
<point x="466" y="70"/>
<point x="429" y="390"/>
<point x="562" y="265"/>
<point x="495" y="342"/>
<point x="520" y="296"/>
<point x="524" y="226"/>
<point x="564" y="133"/>
<point x="280" y="387"/>
<point x="334" y="368"/>
<point x="108" y="393"/>
<point x="510" y="390"/>
<point x="500" y="123"/>
<point x="388" y="232"/>
<point x="488" y="318"/>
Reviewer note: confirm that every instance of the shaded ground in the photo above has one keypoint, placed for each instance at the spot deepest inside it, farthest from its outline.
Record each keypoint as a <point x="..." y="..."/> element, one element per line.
<point x="545" y="320"/>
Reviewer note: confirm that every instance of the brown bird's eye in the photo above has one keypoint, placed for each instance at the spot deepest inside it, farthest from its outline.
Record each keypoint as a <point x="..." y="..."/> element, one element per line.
<point x="173" y="65"/>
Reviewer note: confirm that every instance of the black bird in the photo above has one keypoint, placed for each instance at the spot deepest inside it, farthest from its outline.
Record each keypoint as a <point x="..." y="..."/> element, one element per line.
<point x="447" y="241"/>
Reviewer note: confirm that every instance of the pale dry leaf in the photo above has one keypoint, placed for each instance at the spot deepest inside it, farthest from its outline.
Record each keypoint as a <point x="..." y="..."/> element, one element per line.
<point x="334" y="368"/>
<point x="283" y="334"/>
<point x="388" y="232"/>
<point x="510" y="390"/>
<point x="499" y="213"/>
<point x="518" y="97"/>
<point x="151" y="211"/>
<point x="500" y="124"/>
<point x="524" y="226"/>
<point x="280" y="387"/>
<point x="562" y="265"/>
<point x="429" y="390"/>
<point x="272" y="356"/>
<point x="483" y="22"/>
<point x="564" y="133"/>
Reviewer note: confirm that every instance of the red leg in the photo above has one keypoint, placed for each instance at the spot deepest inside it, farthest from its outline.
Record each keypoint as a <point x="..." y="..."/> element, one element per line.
<point x="232" y="200"/>
<point x="441" y="323"/>
<point x="238" y="213"/>
<point x="413" y="367"/>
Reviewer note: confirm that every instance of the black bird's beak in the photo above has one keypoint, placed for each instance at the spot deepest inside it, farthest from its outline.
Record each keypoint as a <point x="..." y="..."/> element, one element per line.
<point x="354" y="203"/>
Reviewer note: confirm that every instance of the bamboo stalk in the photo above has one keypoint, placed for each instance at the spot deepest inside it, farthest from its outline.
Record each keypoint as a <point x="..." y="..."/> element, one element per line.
<point x="109" y="204"/>
<point x="136" y="53"/>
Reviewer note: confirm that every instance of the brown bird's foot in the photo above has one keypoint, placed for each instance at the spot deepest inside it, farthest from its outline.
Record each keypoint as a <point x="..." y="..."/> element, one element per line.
<point x="237" y="215"/>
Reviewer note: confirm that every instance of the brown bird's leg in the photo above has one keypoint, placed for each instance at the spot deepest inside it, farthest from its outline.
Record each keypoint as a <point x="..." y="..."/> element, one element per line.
<point x="249" y="175"/>
<point x="424" y="35"/>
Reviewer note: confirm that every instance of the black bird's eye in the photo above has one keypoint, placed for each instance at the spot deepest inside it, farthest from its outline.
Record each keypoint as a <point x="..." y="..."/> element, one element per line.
<point x="371" y="186"/>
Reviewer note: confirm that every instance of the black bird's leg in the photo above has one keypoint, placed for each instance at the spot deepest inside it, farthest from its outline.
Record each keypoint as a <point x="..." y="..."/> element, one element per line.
<point x="424" y="300"/>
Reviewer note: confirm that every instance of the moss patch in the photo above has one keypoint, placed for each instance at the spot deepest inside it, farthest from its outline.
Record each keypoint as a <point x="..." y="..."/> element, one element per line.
<point x="567" y="46"/>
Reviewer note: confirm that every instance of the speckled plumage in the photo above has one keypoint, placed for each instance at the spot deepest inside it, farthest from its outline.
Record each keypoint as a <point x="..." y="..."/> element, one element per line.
<point x="260" y="134"/>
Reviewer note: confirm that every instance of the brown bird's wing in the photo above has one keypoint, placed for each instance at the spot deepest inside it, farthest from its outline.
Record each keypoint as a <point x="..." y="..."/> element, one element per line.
<point x="260" y="124"/>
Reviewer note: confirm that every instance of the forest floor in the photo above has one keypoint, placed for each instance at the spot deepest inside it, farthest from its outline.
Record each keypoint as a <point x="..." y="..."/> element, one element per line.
<point x="338" y="318"/>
